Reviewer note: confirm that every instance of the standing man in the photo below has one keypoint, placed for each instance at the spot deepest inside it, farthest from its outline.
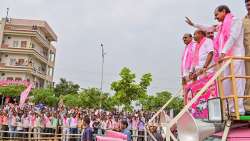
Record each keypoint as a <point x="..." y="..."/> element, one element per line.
<point x="203" y="54"/>
<point x="229" y="42"/>
<point x="87" y="134"/>
<point x="246" y="25"/>
<point x="187" y="57"/>
<point x="124" y="130"/>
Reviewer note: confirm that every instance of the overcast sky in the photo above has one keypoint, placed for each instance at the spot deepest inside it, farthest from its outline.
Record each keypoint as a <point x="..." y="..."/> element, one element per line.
<point x="144" y="35"/>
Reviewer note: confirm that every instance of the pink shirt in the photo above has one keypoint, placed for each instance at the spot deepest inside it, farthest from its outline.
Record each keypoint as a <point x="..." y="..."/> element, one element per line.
<point x="26" y="122"/>
<point x="65" y="122"/>
<point x="135" y="123"/>
<point x="73" y="122"/>
<point x="5" y="120"/>
<point x="116" y="125"/>
<point x="13" y="121"/>
<point x="109" y="124"/>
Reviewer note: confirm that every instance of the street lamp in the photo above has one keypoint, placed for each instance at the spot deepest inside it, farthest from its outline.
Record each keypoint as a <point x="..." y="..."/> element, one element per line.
<point x="101" y="88"/>
<point x="103" y="54"/>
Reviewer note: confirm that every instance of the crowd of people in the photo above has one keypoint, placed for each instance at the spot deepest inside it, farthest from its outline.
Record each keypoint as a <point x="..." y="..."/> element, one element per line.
<point x="208" y="45"/>
<point x="211" y="44"/>
<point x="40" y="121"/>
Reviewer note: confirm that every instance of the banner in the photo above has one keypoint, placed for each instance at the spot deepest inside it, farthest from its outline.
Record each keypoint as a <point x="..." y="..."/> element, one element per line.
<point x="102" y="138"/>
<point x="13" y="82"/>
<point x="199" y="108"/>
<point x="113" y="134"/>
<point x="25" y="94"/>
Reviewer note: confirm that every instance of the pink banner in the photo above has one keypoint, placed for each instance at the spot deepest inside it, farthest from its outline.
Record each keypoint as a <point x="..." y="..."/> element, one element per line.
<point x="102" y="138"/>
<point x="199" y="108"/>
<point x="113" y="134"/>
<point x="11" y="82"/>
<point x="25" y="94"/>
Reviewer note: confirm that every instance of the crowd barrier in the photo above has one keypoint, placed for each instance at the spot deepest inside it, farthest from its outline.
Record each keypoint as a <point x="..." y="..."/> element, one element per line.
<point x="57" y="134"/>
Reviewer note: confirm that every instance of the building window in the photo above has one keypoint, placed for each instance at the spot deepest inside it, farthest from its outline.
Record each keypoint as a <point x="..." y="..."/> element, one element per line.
<point x="50" y="73"/>
<point x="52" y="58"/>
<point x="23" y="44"/>
<point x="18" y="79"/>
<point x="12" y="61"/>
<point x="32" y="45"/>
<point x="9" y="78"/>
<point x="15" y="43"/>
<point x="20" y="62"/>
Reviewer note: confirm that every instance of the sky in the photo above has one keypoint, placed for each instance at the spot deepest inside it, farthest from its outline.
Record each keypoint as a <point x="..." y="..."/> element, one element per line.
<point x="143" y="35"/>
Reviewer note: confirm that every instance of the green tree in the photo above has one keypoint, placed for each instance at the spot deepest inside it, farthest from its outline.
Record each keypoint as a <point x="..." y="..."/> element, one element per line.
<point x="127" y="89"/>
<point x="89" y="98"/>
<point x="154" y="103"/>
<point x="94" y="98"/>
<point x="72" y="100"/>
<point x="12" y="90"/>
<point x="66" y="87"/>
<point x="45" y="96"/>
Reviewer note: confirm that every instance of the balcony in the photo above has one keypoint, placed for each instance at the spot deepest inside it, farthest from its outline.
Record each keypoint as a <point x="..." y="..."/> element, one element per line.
<point x="24" y="68"/>
<point x="15" y="68"/>
<point x="28" y="31"/>
<point x="30" y="51"/>
<point x="40" y="73"/>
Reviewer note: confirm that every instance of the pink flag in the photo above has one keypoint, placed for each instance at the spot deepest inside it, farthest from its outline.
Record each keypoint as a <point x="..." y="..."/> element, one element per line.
<point x="102" y="138"/>
<point x="25" y="94"/>
<point x="113" y="134"/>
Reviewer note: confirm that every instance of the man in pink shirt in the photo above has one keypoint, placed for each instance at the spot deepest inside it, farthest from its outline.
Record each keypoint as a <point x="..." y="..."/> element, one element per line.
<point x="187" y="57"/>
<point x="135" y="121"/>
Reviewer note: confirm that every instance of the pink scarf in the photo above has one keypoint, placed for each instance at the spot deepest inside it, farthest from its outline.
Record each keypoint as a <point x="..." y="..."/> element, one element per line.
<point x="224" y="33"/>
<point x="74" y="120"/>
<point x="188" y="56"/>
<point x="65" y="121"/>
<point x="196" y="52"/>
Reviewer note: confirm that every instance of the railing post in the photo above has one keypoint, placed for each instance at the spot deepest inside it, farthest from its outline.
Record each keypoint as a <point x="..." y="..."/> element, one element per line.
<point x="29" y="135"/>
<point x="234" y="90"/>
<point x="145" y="134"/>
<point x="55" y="137"/>
<point x="221" y="91"/>
<point x="226" y="130"/>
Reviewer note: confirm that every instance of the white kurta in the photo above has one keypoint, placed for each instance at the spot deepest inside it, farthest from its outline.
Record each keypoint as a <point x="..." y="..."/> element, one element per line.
<point x="205" y="49"/>
<point x="186" y="71"/>
<point x="235" y="40"/>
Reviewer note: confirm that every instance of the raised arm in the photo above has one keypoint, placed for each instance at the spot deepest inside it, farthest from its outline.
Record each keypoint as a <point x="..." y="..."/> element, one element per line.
<point x="202" y="27"/>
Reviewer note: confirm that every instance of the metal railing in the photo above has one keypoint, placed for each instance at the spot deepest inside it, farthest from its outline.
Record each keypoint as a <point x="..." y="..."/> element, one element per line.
<point x="38" y="134"/>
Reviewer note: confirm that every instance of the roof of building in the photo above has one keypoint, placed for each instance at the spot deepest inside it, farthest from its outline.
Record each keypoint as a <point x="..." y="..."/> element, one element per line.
<point x="39" y="23"/>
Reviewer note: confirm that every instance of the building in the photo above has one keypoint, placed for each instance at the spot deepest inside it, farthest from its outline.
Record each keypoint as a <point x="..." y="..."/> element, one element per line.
<point x="27" y="51"/>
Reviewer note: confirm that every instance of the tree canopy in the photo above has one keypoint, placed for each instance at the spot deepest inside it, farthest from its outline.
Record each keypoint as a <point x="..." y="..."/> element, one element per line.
<point x="45" y="96"/>
<point x="127" y="89"/>
<point x="65" y="87"/>
<point x="12" y="90"/>
<point x="156" y="101"/>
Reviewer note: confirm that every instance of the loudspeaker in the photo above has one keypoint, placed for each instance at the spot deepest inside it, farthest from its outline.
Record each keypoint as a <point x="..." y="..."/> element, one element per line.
<point x="191" y="129"/>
